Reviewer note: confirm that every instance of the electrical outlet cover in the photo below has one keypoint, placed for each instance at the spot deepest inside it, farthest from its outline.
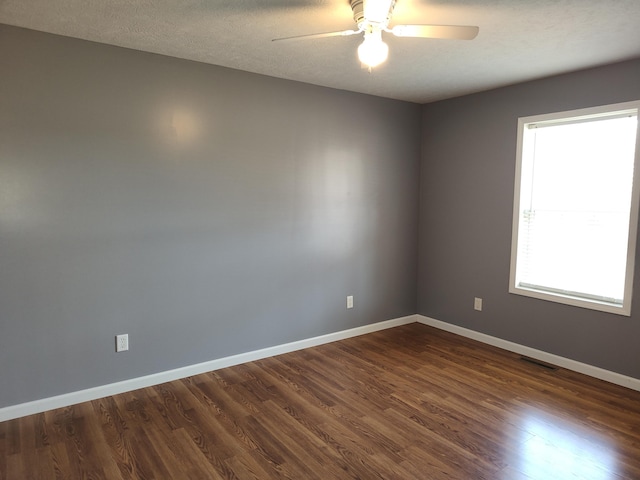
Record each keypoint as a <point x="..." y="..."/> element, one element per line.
<point x="350" y="301"/>
<point x="122" y="343"/>
<point x="477" y="304"/>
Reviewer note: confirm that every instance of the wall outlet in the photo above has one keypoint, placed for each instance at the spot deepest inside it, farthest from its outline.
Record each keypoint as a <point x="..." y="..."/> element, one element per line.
<point x="122" y="342"/>
<point x="350" y="301"/>
<point x="477" y="304"/>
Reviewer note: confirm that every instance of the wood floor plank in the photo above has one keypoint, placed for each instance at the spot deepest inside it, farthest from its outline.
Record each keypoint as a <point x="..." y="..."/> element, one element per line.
<point x="129" y="446"/>
<point x="408" y="402"/>
<point x="246" y="467"/>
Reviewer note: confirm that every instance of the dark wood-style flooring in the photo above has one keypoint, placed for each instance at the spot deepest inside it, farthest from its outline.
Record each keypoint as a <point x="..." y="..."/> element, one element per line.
<point x="408" y="402"/>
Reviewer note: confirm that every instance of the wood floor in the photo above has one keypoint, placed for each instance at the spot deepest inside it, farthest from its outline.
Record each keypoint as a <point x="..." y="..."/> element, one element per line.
<point x="409" y="402"/>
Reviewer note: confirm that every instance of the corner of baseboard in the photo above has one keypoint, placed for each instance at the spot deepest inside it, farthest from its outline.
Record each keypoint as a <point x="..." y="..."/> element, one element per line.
<point x="72" y="398"/>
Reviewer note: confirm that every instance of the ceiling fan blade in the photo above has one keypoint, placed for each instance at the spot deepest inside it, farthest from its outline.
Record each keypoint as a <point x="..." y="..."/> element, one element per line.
<point x="454" y="32"/>
<point x="343" y="33"/>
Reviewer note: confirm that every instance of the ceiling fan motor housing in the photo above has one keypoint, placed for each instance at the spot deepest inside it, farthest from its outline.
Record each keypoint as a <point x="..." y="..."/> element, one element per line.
<point x="358" y="13"/>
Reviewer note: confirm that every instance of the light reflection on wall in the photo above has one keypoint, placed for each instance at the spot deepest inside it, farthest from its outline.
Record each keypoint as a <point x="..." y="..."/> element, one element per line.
<point x="178" y="125"/>
<point x="334" y="190"/>
<point x="558" y="451"/>
<point x="18" y="207"/>
<point x="184" y="126"/>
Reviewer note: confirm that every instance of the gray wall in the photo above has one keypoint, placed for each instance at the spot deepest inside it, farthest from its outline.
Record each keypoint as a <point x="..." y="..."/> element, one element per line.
<point x="209" y="212"/>
<point x="467" y="182"/>
<point x="204" y="211"/>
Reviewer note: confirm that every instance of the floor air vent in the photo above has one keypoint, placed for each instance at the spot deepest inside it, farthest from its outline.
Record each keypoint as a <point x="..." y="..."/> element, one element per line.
<point x="533" y="361"/>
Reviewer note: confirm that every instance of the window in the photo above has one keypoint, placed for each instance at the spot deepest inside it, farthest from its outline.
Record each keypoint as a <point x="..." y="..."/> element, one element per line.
<point x="576" y="207"/>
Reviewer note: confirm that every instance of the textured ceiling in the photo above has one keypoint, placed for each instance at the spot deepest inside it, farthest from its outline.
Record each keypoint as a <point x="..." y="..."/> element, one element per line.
<point x="519" y="40"/>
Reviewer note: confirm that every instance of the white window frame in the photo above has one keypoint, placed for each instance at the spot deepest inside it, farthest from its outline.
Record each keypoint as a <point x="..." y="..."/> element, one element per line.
<point x="585" y="114"/>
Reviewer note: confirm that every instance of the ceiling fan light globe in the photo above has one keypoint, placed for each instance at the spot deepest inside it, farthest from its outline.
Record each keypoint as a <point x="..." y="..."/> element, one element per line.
<point x="373" y="51"/>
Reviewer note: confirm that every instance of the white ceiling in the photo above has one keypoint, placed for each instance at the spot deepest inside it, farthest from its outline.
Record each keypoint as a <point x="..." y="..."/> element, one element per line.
<point x="519" y="40"/>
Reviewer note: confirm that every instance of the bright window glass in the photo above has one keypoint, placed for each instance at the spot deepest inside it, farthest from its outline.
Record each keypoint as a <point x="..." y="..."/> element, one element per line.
<point x="575" y="212"/>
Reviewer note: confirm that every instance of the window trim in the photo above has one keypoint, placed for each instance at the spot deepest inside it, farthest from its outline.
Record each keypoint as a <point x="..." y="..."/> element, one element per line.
<point x="584" y="114"/>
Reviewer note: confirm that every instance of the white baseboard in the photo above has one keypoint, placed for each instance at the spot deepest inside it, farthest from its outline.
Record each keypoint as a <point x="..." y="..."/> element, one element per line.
<point x="72" y="398"/>
<point x="601" y="373"/>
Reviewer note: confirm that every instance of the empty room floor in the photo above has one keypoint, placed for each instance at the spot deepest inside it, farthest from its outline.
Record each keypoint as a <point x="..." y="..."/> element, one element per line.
<point x="408" y="402"/>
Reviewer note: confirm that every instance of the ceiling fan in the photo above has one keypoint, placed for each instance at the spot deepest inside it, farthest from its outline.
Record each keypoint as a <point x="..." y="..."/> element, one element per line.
<point x="372" y="18"/>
